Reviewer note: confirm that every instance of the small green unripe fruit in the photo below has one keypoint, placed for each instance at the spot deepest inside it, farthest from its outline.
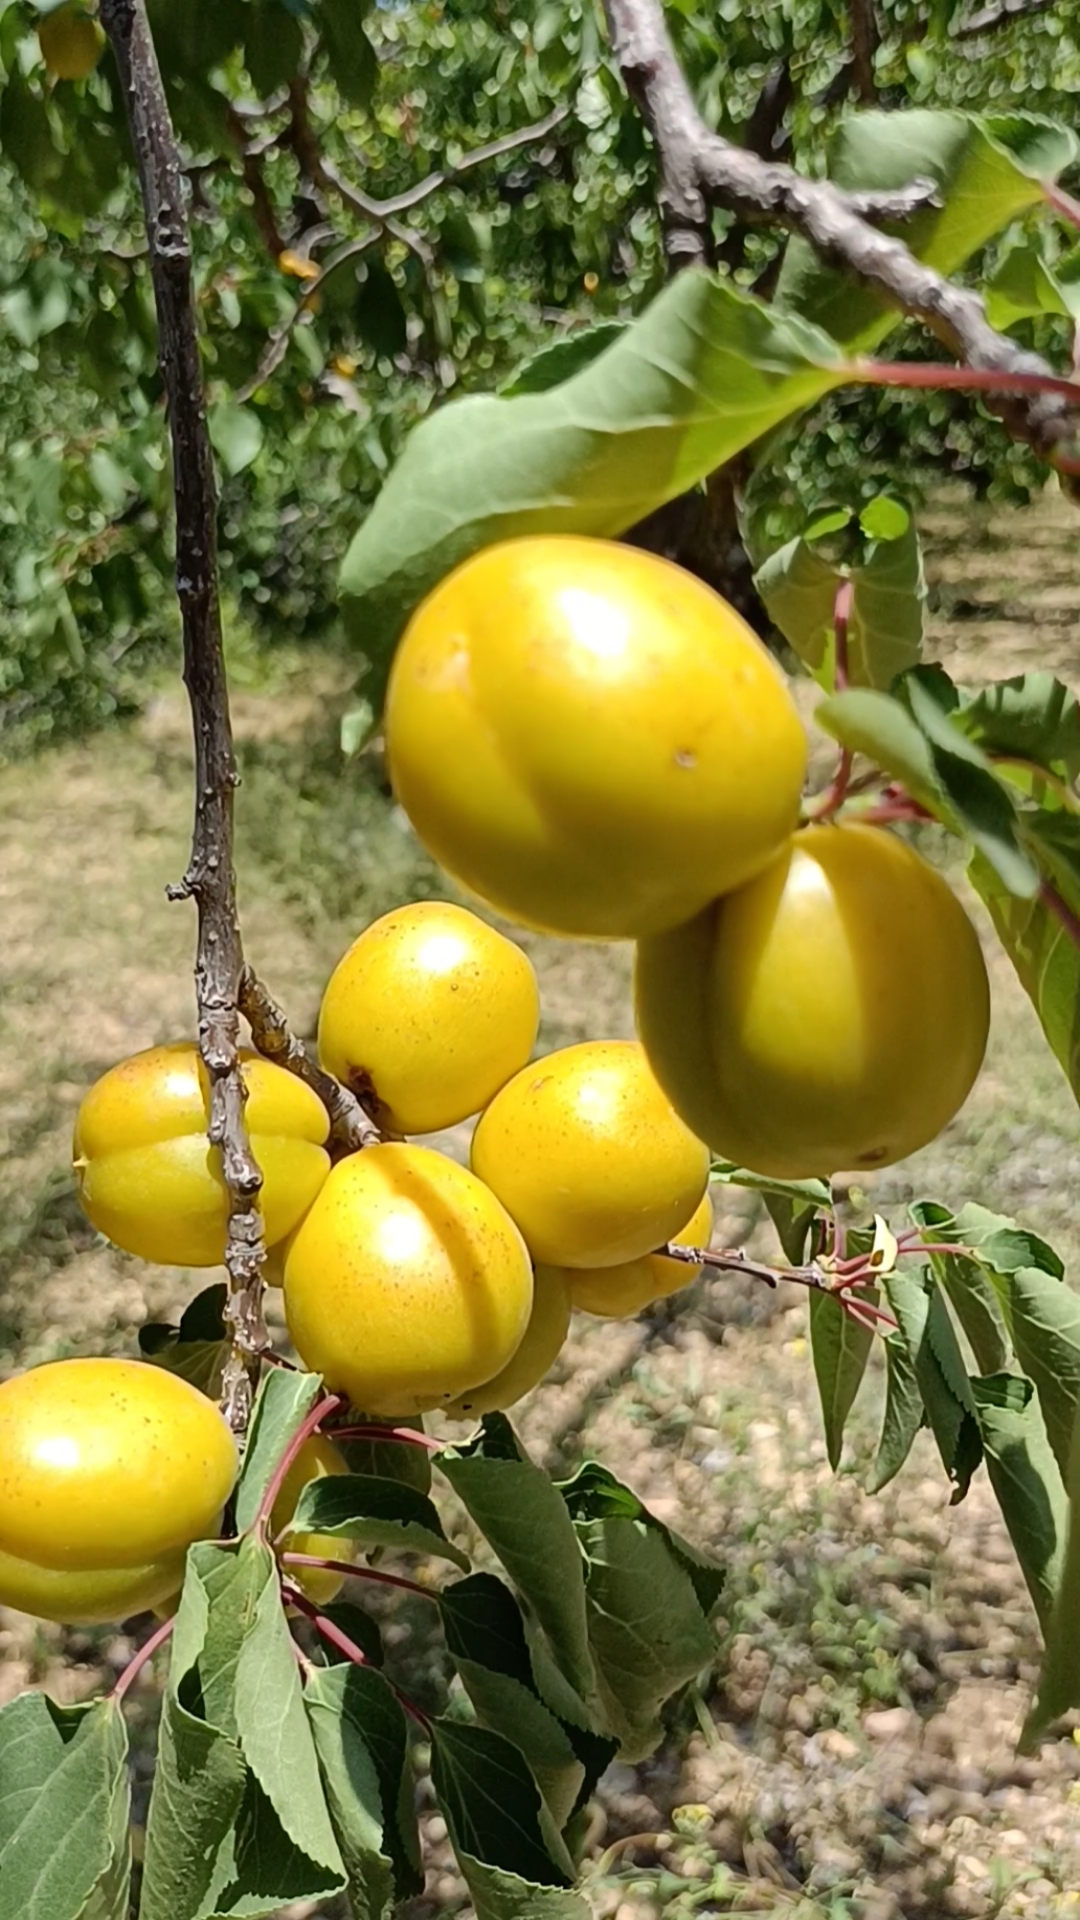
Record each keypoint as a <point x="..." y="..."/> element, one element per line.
<point x="71" y="42"/>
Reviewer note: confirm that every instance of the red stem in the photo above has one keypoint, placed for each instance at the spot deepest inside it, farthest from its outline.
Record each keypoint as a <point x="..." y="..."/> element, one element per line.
<point x="842" y="606"/>
<point x="923" y="374"/>
<point x="1061" y="911"/>
<point x="355" y="1572"/>
<point x="139" y="1660"/>
<point x="322" y="1411"/>
<point x="349" y="1648"/>
<point x="1062" y="203"/>
<point x="888" y="810"/>
<point x="407" y="1436"/>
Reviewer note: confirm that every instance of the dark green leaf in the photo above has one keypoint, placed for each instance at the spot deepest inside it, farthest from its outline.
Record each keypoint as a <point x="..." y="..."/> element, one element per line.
<point x="282" y="1404"/>
<point x="362" y="1742"/>
<point x="904" y="1413"/>
<point x="390" y="1459"/>
<point x="492" y="1805"/>
<point x="565" y="357"/>
<point x="700" y="375"/>
<point x="380" y="316"/>
<point x="198" y="1348"/>
<point x="1045" y="957"/>
<point x="968" y="1285"/>
<point x="353" y="64"/>
<point x="595" y="1494"/>
<point x="1026" y="1480"/>
<point x="841" y="1348"/>
<point x="361" y="1628"/>
<point x="927" y="1331"/>
<point x="380" y="1513"/>
<point x="68" y="1855"/>
<point x="1044" y="1321"/>
<point x="1059" y="1682"/>
<point x="273" y="46"/>
<point x="885" y="628"/>
<point x="811" y="1193"/>
<point x="880" y="727"/>
<point x="1032" y="716"/>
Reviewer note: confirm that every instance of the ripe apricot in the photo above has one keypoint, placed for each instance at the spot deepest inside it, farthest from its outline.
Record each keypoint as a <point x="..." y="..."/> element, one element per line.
<point x="147" y="1175"/>
<point x="618" y="1293"/>
<point x="407" y="1282"/>
<point x="109" y="1469"/>
<point x="548" y="1326"/>
<point x="431" y="1009"/>
<point x="589" y="738"/>
<point x="71" y="41"/>
<point x="317" y="1459"/>
<point x="832" y="1014"/>
<point x="589" y="1157"/>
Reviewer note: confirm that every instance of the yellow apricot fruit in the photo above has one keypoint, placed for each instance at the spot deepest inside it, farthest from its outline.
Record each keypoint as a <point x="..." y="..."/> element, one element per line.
<point x="71" y="42"/>
<point x="317" y="1459"/>
<point x="548" y="1326"/>
<point x="589" y="738"/>
<point x="406" y="1282"/>
<point x="150" y="1181"/>
<point x="432" y="1010"/>
<point x="832" y="1014"/>
<point x="618" y="1293"/>
<point x="589" y="1157"/>
<point x="109" y="1470"/>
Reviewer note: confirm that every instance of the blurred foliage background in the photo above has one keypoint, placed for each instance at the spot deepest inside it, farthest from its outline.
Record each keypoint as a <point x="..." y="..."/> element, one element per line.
<point x="296" y="117"/>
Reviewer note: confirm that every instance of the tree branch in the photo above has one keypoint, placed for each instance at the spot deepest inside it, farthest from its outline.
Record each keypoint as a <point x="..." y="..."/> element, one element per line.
<point x="210" y="879"/>
<point x="350" y="1125"/>
<point x="707" y="171"/>
<point x="864" y="45"/>
<point x="989" y="19"/>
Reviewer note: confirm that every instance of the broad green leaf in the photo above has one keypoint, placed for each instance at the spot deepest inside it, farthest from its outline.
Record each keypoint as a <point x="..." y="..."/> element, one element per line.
<point x="988" y="170"/>
<point x="273" y="46"/>
<point x="379" y="1513"/>
<point x="525" y="1520"/>
<point x="68" y="1856"/>
<point x="1059" y="1682"/>
<point x="1044" y="1321"/>
<point x="594" y="1493"/>
<point x="362" y="1743"/>
<point x="969" y="1287"/>
<point x="485" y="1638"/>
<point x="198" y="1348"/>
<point x="565" y="357"/>
<point x="885" y="629"/>
<point x="353" y="63"/>
<point x="841" y="1348"/>
<point x="702" y="373"/>
<point x="904" y="1413"/>
<point x="1045" y="957"/>
<point x="390" y="1459"/>
<point x="492" y="1805"/>
<point x="1003" y="1246"/>
<point x="1026" y="1479"/>
<point x="874" y="724"/>
<point x="282" y="1404"/>
<point x="1024" y="285"/>
<point x="811" y="1193"/>
<point x="927" y="1332"/>
<point x="236" y="434"/>
<point x="979" y="803"/>
<point x="361" y="1628"/>
<point x="34" y="1733"/>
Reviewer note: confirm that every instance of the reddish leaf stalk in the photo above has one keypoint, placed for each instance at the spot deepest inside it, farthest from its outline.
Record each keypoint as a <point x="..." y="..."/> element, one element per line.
<point x="322" y="1411"/>
<point x="142" y="1658"/>
<point x="402" y="1436"/>
<point x="354" y="1572"/>
<point x="1061" y="911"/>
<point x="349" y="1648"/>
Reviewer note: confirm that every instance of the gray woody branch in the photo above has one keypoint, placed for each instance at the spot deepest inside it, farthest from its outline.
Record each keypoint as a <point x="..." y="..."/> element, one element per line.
<point x="700" y="170"/>
<point x="210" y="879"/>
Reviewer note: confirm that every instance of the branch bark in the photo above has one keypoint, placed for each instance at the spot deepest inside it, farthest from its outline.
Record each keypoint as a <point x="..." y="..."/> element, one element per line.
<point x="210" y="878"/>
<point x="350" y="1126"/>
<point x="709" y="172"/>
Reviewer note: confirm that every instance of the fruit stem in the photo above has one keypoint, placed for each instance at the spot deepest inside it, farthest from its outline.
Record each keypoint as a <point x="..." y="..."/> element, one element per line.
<point x="933" y="376"/>
<point x="831" y="801"/>
<point x="843" y="604"/>
<point x="889" y="810"/>
<point x="321" y="1411"/>
<point x="139" y="1660"/>
<point x="1062" y="203"/>
<point x="404" y="1436"/>
<point x="349" y="1648"/>
<point x="354" y="1572"/>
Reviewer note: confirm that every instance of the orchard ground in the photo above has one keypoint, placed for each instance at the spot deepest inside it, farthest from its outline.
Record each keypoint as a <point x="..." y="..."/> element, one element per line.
<point x="855" y="1755"/>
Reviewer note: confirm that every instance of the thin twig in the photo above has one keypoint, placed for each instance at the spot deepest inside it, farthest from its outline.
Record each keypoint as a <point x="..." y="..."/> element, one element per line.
<point x="210" y="878"/>
<point x="333" y="1633"/>
<point x="142" y="1658"/>
<point x="326" y="1407"/>
<point x="350" y="1126"/>
<point x="700" y="170"/>
<point x="351" y="1570"/>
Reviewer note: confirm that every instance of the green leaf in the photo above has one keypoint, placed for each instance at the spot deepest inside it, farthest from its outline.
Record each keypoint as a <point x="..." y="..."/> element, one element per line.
<point x="647" y="1629"/>
<point x="353" y="63"/>
<point x="1047" y="961"/>
<point x="565" y="357"/>
<point x="525" y="1519"/>
<point x="236" y="435"/>
<point x="360" y="1627"/>
<point x="988" y="170"/>
<point x="701" y="374"/>
<point x="64" y="1812"/>
<point x="485" y="1638"/>
<point x="1044" y="1321"/>
<point x="874" y="724"/>
<point x="904" y="1412"/>
<point x="282" y="1404"/>
<point x="811" y="1193"/>
<point x="380" y="316"/>
<point x="1026" y="1480"/>
<point x="198" y="1348"/>
<point x="885" y="628"/>
<point x="390" y="1459"/>
<point x="1059" y="1682"/>
<point x="841" y="1348"/>
<point x="927" y="1332"/>
<point x="492" y="1805"/>
<point x="1024" y="285"/>
<point x="968" y="1285"/>
<point x="594" y="1493"/>
<point x="362" y="1743"/>
<point x="273" y="46"/>
<point x="380" y="1513"/>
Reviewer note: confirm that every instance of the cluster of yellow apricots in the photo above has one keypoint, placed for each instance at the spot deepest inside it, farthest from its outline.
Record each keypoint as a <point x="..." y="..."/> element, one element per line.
<point x="597" y="746"/>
